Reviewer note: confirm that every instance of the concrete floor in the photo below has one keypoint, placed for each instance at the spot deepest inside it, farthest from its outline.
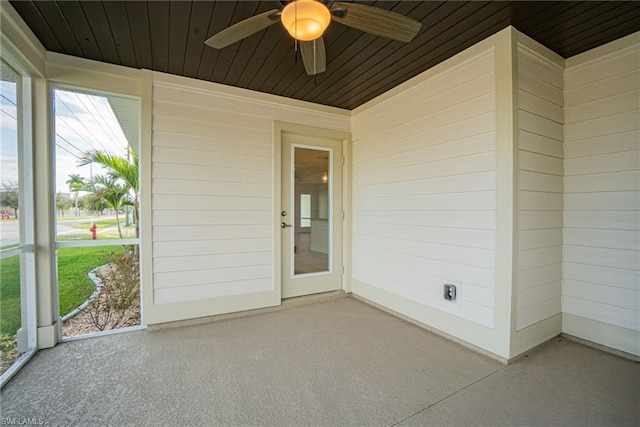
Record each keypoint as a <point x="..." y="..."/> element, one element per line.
<point x="339" y="362"/>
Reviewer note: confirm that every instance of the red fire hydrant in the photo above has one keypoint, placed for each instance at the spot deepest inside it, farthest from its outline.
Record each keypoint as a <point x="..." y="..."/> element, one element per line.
<point x="94" y="233"/>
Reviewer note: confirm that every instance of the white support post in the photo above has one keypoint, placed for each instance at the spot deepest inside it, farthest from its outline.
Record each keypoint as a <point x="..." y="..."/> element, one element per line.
<point x="507" y="188"/>
<point x="47" y="307"/>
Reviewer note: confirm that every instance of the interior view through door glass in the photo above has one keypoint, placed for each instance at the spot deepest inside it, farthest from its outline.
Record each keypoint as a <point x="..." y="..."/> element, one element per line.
<point x="312" y="209"/>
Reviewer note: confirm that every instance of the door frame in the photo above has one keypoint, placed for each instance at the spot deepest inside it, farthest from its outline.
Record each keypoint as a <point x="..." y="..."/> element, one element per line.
<point x="279" y="128"/>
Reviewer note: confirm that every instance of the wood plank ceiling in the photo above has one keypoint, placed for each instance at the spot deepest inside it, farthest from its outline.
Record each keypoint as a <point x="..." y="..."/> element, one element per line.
<point x="169" y="36"/>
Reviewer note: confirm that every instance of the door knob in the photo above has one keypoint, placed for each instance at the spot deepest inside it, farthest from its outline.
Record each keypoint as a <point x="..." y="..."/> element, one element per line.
<point x="284" y="225"/>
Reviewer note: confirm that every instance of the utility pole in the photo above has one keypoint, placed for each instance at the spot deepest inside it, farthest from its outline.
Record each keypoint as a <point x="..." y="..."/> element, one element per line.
<point x="126" y="212"/>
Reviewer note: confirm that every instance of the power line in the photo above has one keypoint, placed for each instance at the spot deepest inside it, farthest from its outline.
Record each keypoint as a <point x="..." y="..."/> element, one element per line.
<point x="73" y="128"/>
<point x="91" y="113"/>
<point x="67" y="141"/>
<point x="99" y="122"/>
<point x="103" y="147"/>
<point x="63" y="148"/>
<point x="57" y="135"/>
<point x="10" y="115"/>
<point x="105" y="102"/>
<point x="10" y="100"/>
<point x="93" y="116"/>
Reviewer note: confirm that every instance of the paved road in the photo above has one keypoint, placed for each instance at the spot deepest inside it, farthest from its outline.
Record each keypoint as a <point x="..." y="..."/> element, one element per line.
<point x="9" y="232"/>
<point x="10" y="229"/>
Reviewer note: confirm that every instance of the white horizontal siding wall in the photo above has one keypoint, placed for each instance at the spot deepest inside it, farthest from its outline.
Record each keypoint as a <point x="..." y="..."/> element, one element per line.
<point x="540" y="99"/>
<point x="424" y="193"/>
<point x="212" y="187"/>
<point x="601" y="281"/>
<point x="212" y="191"/>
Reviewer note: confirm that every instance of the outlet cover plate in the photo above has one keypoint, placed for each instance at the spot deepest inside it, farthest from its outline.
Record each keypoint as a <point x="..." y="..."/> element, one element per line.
<point x="458" y="291"/>
<point x="449" y="291"/>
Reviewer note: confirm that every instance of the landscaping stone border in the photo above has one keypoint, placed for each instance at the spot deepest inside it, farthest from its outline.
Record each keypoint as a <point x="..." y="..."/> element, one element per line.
<point x="94" y="295"/>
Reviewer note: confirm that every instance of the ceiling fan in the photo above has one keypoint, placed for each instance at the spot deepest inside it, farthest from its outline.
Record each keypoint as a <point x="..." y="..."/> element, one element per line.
<point x="306" y="21"/>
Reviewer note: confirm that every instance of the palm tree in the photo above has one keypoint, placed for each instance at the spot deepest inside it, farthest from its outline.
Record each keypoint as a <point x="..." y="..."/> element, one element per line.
<point x="120" y="169"/>
<point x="76" y="184"/>
<point x="62" y="203"/>
<point x="114" y="194"/>
<point x="94" y="203"/>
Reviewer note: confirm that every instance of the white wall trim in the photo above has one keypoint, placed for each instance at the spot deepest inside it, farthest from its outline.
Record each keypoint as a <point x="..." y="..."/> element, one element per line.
<point x="506" y="188"/>
<point x="278" y="129"/>
<point x="609" y="335"/>
<point x="92" y="65"/>
<point x="481" y="338"/>
<point x="525" y="50"/>
<point x="472" y="53"/>
<point x="19" y="44"/>
<point x="539" y="50"/>
<point x="163" y="313"/>
<point x="531" y="336"/>
<point x="146" y="195"/>
<point x="234" y="93"/>
<point x="90" y="75"/>
<point x="347" y="203"/>
<point x="602" y="53"/>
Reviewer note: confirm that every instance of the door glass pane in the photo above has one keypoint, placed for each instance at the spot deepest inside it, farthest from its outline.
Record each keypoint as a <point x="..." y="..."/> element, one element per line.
<point x="311" y="231"/>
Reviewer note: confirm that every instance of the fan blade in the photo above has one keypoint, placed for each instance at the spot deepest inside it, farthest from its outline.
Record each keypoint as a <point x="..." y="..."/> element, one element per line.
<point x="376" y="21"/>
<point x="315" y="62"/>
<point x="243" y="29"/>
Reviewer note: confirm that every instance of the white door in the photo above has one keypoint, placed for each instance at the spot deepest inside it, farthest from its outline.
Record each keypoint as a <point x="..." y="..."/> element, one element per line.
<point x="311" y="215"/>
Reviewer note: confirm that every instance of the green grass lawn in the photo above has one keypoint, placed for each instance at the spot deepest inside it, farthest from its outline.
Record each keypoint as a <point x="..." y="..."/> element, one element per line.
<point x="112" y="234"/>
<point x="73" y="284"/>
<point x="73" y="265"/>
<point x="10" y="295"/>
<point x="100" y="223"/>
<point x="73" y="217"/>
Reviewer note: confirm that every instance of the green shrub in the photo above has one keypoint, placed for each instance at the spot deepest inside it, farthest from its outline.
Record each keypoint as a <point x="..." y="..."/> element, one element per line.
<point x="8" y="351"/>
<point x="118" y="304"/>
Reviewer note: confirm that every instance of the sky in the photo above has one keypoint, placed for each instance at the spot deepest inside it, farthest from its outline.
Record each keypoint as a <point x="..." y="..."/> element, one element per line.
<point x="8" y="133"/>
<point x="83" y="122"/>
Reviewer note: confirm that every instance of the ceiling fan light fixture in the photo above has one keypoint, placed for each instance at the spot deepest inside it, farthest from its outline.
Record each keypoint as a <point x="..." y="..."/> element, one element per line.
<point x="305" y="20"/>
